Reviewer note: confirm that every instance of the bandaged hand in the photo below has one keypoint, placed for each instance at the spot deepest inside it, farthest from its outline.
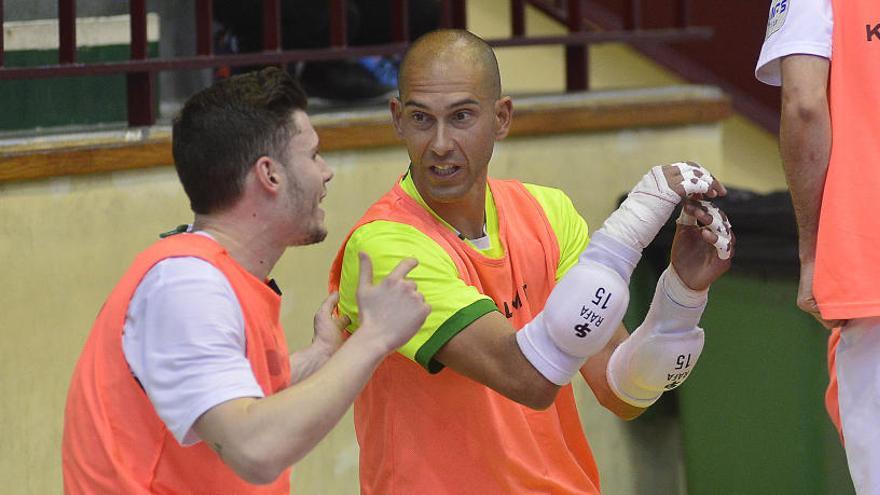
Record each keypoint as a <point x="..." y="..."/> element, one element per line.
<point x="716" y="225"/>
<point x="703" y="244"/>
<point x="589" y="302"/>
<point x="650" y="203"/>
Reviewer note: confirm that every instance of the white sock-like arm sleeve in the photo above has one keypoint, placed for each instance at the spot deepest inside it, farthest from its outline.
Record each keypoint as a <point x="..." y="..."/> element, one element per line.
<point x="662" y="352"/>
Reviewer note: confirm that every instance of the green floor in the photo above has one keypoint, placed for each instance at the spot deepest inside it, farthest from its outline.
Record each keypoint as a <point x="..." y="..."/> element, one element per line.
<point x="752" y="414"/>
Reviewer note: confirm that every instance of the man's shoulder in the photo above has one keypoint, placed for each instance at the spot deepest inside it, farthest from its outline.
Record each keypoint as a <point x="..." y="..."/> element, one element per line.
<point x="393" y="241"/>
<point x="379" y="232"/>
<point x="194" y="266"/>
<point x="541" y="191"/>
<point x="802" y="27"/>
<point x="554" y="201"/>
<point x="185" y="274"/>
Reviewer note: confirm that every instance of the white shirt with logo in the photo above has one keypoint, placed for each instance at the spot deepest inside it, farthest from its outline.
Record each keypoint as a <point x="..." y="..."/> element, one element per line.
<point x="794" y="27"/>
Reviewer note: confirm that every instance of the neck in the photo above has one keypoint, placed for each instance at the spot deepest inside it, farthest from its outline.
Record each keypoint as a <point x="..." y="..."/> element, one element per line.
<point x="467" y="214"/>
<point x="244" y="239"/>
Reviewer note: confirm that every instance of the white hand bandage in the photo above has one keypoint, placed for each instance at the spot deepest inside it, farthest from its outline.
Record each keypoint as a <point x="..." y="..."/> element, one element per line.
<point x="692" y="183"/>
<point x="662" y="352"/>
<point x="579" y="318"/>
<point x="650" y="203"/>
<point x="720" y="226"/>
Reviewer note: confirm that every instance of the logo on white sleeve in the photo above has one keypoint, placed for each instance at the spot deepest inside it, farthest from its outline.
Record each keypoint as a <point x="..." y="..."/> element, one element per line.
<point x="778" y="13"/>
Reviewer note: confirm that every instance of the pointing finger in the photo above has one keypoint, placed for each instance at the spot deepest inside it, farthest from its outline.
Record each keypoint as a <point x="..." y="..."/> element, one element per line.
<point x="405" y="266"/>
<point x="366" y="275"/>
<point x="342" y="322"/>
<point x="329" y="303"/>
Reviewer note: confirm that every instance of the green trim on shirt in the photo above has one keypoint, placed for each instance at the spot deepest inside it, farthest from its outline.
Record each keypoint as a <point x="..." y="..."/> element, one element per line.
<point x="437" y="277"/>
<point x="450" y="328"/>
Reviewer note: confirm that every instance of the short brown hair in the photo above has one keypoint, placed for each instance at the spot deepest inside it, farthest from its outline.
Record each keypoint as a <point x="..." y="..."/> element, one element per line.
<point x="222" y="130"/>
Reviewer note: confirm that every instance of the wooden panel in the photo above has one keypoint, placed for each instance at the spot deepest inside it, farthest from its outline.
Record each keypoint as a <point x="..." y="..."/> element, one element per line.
<point x="558" y="121"/>
<point x="347" y="133"/>
<point x="74" y="161"/>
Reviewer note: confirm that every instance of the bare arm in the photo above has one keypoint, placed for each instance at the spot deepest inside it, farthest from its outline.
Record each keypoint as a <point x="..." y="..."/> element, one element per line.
<point x="805" y="145"/>
<point x="805" y="141"/>
<point x="259" y="438"/>
<point x="328" y="338"/>
<point x="487" y="352"/>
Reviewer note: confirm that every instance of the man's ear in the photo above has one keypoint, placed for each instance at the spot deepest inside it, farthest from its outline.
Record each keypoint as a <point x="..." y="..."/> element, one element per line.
<point x="396" y="108"/>
<point x="503" y="117"/>
<point x="268" y="174"/>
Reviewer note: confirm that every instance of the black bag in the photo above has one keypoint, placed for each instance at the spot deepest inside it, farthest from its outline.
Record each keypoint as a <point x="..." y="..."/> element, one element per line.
<point x="765" y="230"/>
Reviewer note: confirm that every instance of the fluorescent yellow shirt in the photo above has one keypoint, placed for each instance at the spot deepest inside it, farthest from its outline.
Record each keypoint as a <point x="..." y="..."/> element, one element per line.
<point x="454" y="304"/>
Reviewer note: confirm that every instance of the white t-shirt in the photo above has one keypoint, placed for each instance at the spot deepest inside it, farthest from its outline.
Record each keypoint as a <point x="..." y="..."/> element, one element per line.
<point x="184" y="340"/>
<point x="794" y="26"/>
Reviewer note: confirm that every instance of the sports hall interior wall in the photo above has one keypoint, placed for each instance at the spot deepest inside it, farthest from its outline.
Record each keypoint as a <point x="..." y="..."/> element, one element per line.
<point x="66" y="239"/>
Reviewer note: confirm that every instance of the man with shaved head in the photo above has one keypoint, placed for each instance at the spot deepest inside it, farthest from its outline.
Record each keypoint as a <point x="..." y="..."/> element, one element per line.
<point x="479" y="401"/>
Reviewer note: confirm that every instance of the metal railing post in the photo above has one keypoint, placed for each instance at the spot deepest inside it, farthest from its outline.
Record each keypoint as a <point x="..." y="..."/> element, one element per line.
<point x="459" y="14"/>
<point x="140" y="86"/>
<point x="400" y="20"/>
<point x="682" y="14"/>
<point x="204" y="35"/>
<point x="454" y="14"/>
<point x="577" y="57"/>
<point x="2" y="49"/>
<point x="338" y="34"/>
<point x="66" y="31"/>
<point x="271" y="25"/>
<point x="632" y="15"/>
<point x="518" y="17"/>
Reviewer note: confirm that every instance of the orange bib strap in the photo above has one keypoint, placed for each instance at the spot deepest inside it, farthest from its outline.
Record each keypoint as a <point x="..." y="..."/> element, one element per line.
<point x="114" y="442"/>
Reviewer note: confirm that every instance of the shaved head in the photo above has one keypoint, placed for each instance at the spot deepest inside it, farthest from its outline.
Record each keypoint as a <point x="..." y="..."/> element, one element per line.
<point x="449" y="50"/>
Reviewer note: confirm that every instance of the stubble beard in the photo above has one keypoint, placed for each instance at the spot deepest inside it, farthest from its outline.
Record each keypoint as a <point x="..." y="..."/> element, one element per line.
<point x="317" y="235"/>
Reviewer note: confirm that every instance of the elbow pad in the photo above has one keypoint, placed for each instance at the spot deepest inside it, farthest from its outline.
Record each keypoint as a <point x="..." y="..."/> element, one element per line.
<point x="650" y="363"/>
<point x="580" y="317"/>
<point x="585" y="308"/>
<point x="662" y="352"/>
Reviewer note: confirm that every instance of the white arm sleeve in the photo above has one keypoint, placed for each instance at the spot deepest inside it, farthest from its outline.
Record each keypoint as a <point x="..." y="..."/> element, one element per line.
<point x="662" y="352"/>
<point x="794" y="26"/>
<point x="184" y="341"/>
<point x="587" y="306"/>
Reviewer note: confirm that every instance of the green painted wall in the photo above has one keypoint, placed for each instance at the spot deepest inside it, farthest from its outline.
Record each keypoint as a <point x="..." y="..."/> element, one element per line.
<point x="64" y="101"/>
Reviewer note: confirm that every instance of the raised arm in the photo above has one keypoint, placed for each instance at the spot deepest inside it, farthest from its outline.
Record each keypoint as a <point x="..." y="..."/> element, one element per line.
<point x="531" y="365"/>
<point x="487" y="352"/>
<point x="259" y="438"/>
<point x="805" y="144"/>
